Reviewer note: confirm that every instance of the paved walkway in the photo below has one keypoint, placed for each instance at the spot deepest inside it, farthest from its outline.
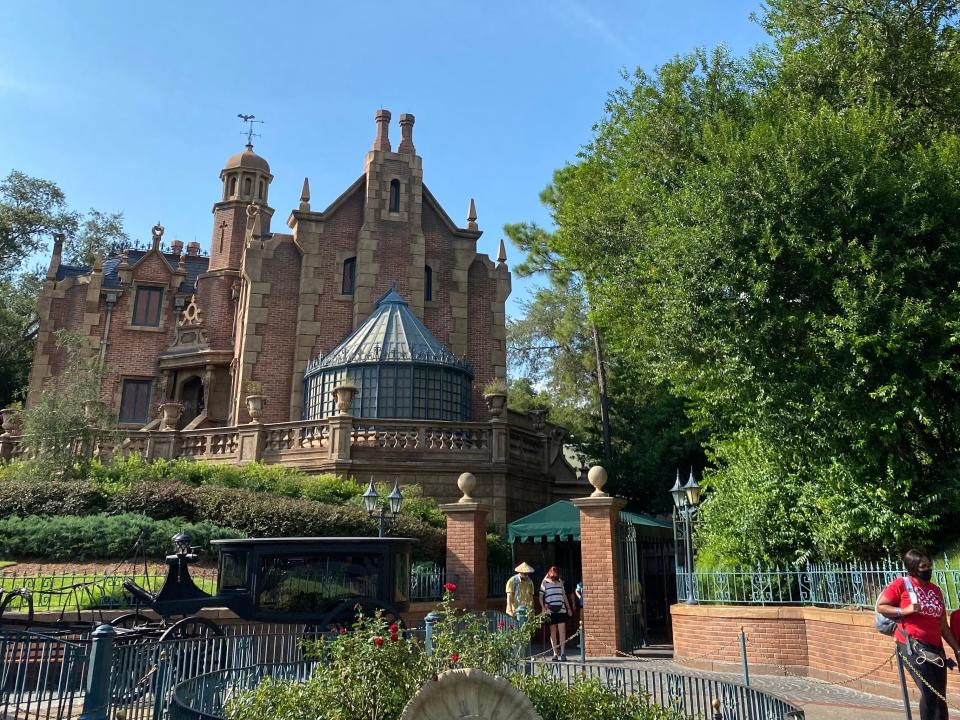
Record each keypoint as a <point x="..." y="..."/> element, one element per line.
<point x="820" y="700"/>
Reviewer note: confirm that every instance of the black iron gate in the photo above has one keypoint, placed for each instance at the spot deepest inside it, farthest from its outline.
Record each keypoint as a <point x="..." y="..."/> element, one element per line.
<point x="646" y="586"/>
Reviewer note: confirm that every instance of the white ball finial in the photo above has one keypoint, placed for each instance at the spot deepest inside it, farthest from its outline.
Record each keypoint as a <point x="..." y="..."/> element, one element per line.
<point x="598" y="478"/>
<point x="466" y="482"/>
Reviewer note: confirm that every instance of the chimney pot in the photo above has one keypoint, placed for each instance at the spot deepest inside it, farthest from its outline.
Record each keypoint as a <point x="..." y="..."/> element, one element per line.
<point x="193" y="248"/>
<point x="406" y="134"/>
<point x="382" y="142"/>
<point x="176" y="247"/>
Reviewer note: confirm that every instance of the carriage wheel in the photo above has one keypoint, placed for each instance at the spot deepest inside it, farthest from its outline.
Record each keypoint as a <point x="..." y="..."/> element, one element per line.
<point x="131" y="621"/>
<point x="6" y="600"/>
<point x="192" y="628"/>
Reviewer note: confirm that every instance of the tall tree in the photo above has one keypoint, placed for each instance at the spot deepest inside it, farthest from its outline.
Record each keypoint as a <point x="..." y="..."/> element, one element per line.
<point x="778" y="238"/>
<point x="32" y="210"/>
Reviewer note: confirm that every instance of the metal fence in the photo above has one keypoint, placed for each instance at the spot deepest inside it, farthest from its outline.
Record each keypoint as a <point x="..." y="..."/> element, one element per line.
<point x="205" y="697"/>
<point x="691" y="695"/>
<point x="854" y="584"/>
<point x="41" y="677"/>
<point x="64" y="590"/>
<point x="427" y="583"/>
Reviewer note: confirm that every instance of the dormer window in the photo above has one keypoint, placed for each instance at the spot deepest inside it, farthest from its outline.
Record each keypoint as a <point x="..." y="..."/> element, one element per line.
<point x="427" y="283"/>
<point x="349" y="276"/>
<point x="394" y="195"/>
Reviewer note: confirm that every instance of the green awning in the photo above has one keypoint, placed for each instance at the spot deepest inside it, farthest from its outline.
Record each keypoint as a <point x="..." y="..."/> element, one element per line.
<point x="561" y="521"/>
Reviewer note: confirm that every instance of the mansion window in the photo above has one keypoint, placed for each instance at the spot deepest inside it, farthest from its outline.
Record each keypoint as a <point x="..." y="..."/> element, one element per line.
<point x="147" y="306"/>
<point x="349" y="276"/>
<point x="135" y="401"/>
<point x="394" y="196"/>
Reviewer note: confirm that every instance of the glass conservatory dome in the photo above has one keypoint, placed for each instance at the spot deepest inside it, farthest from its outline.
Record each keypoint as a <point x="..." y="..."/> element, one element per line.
<point x="400" y="368"/>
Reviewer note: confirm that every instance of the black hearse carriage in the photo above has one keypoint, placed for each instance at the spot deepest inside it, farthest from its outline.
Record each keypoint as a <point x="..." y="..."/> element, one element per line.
<point x="320" y="582"/>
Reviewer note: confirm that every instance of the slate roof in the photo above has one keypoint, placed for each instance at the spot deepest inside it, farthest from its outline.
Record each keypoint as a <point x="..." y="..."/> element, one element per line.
<point x="194" y="265"/>
<point x="392" y="334"/>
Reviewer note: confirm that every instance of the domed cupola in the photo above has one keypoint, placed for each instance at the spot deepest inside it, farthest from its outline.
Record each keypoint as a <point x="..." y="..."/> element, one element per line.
<point x="246" y="177"/>
<point x="400" y="368"/>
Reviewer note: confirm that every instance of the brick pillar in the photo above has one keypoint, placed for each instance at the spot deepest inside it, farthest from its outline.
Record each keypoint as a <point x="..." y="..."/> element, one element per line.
<point x="602" y="604"/>
<point x="467" y="545"/>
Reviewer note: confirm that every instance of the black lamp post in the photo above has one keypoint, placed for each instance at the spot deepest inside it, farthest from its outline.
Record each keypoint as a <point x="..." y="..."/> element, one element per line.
<point x="386" y="514"/>
<point x="686" y="499"/>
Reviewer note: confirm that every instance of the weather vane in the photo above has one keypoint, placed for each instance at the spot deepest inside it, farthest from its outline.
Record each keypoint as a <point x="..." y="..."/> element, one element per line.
<point x="250" y="120"/>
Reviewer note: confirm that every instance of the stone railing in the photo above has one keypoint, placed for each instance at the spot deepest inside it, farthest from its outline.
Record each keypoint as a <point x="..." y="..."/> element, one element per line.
<point x="333" y="443"/>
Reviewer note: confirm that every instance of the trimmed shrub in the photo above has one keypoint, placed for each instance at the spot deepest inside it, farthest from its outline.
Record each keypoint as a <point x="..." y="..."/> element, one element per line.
<point x="98" y="536"/>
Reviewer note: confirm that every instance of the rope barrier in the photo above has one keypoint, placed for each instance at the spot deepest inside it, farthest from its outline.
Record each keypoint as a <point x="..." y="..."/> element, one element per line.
<point x="921" y="679"/>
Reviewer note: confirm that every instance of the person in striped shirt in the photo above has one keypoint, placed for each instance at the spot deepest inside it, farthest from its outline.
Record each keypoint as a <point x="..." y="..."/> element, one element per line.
<point x="553" y="599"/>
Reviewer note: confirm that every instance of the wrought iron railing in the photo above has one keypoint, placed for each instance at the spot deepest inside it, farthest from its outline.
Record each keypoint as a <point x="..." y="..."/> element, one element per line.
<point x="855" y="584"/>
<point x="41" y="676"/>
<point x="85" y="591"/>
<point x="427" y="583"/>
<point x="691" y="695"/>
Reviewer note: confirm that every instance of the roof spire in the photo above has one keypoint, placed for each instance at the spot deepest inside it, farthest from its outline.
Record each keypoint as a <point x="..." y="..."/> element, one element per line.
<point x="305" y="196"/>
<point x="502" y="253"/>
<point x="472" y="216"/>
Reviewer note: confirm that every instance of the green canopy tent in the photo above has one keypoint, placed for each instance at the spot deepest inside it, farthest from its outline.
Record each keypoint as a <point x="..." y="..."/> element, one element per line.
<point x="561" y="521"/>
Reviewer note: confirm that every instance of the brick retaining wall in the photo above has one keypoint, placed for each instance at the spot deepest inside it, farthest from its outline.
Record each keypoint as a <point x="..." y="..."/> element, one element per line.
<point x="832" y="645"/>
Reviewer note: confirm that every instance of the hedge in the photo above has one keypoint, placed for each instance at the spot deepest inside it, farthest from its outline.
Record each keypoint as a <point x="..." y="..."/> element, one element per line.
<point x="96" y="537"/>
<point x="255" y="514"/>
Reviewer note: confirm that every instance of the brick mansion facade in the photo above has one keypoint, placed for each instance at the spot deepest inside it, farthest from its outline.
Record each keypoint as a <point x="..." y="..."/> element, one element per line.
<point x="380" y="291"/>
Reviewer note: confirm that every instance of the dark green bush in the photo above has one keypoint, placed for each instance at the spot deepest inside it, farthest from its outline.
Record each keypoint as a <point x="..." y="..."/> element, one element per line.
<point x="23" y="497"/>
<point x="95" y="537"/>
<point x="587" y="699"/>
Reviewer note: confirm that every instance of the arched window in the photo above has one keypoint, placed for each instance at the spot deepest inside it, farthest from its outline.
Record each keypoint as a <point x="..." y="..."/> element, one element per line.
<point x="394" y="195"/>
<point x="349" y="276"/>
<point x="260" y="191"/>
<point x="233" y="186"/>
<point x="247" y="187"/>
<point x="427" y="282"/>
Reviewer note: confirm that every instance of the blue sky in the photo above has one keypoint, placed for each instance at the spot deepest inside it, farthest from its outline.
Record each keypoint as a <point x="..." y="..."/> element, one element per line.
<point x="132" y="106"/>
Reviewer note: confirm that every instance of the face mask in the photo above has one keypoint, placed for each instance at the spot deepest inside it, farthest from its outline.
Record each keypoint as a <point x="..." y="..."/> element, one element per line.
<point x="925" y="575"/>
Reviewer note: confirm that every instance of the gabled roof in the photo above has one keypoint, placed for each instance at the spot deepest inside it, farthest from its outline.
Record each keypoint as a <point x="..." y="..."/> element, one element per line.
<point x="392" y="334"/>
<point x="194" y="265"/>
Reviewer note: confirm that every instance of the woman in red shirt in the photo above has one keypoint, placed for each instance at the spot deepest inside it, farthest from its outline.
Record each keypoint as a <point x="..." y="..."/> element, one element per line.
<point x="919" y="609"/>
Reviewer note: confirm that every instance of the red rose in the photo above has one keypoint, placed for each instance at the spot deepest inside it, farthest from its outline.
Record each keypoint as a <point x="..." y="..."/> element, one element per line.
<point x="394" y="628"/>
<point x="378" y="641"/>
<point x="342" y="630"/>
<point x="501" y="624"/>
<point x="450" y="587"/>
<point x="455" y="658"/>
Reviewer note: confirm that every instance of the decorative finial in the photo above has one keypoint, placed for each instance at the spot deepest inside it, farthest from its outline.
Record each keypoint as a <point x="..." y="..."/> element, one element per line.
<point x="250" y="120"/>
<point x="597" y="476"/>
<point x="472" y="216"/>
<point x="157" y="232"/>
<point x="182" y="265"/>
<point x="305" y="195"/>
<point x="466" y="482"/>
<point x="502" y="253"/>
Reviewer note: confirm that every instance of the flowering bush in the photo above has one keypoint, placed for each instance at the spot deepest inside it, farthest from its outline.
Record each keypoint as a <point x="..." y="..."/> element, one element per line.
<point x="372" y="672"/>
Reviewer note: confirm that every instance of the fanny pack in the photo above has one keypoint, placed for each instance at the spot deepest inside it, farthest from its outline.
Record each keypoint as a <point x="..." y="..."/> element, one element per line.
<point x="888" y="626"/>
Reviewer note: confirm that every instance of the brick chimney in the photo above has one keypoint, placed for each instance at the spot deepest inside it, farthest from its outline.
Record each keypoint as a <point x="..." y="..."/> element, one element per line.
<point x="406" y="134"/>
<point x="176" y="247"/>
<point x="193" y="248"/>
<point x="382" y="141"/>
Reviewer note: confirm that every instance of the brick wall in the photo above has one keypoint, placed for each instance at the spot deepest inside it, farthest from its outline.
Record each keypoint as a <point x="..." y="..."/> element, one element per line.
<point x="601" y="607"/>
<point x="467" y="551"/>
<point x="831" y="645"/>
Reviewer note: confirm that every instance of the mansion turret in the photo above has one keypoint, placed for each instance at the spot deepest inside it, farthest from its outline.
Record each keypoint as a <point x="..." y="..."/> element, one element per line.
<point x="381" y="288"/>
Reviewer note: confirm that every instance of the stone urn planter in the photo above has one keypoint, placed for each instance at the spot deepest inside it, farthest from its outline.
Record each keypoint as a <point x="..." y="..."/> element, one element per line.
<point x="344" y="395"/>
<point x="538" y="418"/>
<point x="12" y="421"/>
<point x="496" y="403"/>
<point x="255" y="405"/>
<point x="170" y="414"/>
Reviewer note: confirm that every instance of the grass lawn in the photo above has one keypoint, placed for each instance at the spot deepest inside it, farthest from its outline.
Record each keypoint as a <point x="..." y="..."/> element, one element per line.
<point x="6" y="563"/>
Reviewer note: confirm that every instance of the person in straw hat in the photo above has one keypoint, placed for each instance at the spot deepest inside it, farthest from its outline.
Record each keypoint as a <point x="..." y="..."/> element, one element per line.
<point x="520" y="589"/>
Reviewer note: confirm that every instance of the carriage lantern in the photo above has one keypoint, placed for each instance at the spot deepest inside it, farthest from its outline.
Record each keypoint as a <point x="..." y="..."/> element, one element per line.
<point x="181" y="543"/>
<point x="686" y="498"/>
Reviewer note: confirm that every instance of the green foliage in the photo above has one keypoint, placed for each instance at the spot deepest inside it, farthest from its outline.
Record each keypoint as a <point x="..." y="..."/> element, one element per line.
<point x="61" y="427"/>
<point x="251" y="507"/>
<point x="587" y="699"/>
<point x="73" y="538"/>
<point x="498" y="551"/>
<point x="775" y="239"/>
<point x="371" y="673"/>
